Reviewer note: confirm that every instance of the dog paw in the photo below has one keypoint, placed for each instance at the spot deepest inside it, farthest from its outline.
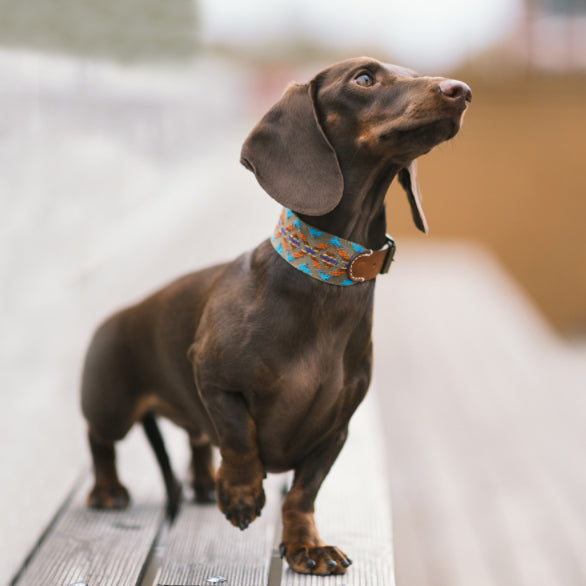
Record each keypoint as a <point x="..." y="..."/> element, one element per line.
<point x="114" y="497"/>
<point x="320" y="560"/>
<point x="240" y="503"/>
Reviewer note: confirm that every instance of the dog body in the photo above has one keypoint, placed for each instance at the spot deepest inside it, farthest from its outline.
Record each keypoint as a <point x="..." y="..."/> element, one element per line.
<point x="255" y="356"/>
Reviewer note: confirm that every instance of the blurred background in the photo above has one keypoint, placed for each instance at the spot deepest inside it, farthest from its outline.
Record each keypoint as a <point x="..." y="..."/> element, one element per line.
<point x="120" y="130"/>
<point x="516" y="185"/>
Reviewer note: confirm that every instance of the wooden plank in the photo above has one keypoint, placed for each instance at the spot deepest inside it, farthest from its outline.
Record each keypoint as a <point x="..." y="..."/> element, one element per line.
<point x="95" y="547"/>
<point x="103" y="548"/>
<point x="483" y="410"/>
<point x="353" y="508"/>
<point x="202" y="544"/>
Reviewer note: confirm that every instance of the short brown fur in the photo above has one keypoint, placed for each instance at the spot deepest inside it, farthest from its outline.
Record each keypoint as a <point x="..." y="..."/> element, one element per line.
<point x="265" y="361"/>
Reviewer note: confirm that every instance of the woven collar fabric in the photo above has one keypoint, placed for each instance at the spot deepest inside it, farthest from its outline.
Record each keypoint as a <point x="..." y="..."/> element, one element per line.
<point x="316" y="253"/>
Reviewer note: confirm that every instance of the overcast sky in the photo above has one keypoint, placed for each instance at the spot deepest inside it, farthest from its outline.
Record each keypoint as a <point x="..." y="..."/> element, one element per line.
<point x="418" y="33"/>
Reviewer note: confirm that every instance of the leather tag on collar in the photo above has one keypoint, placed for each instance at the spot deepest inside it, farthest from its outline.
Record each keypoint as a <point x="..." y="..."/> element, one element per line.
<point x="370" y="263"/>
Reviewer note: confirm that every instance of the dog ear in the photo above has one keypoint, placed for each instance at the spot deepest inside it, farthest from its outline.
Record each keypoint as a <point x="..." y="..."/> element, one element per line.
<point x="291" y="157"/>
<point x="408" y="180"/>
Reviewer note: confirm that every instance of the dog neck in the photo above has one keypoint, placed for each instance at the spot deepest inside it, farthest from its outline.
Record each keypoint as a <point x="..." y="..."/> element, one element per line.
<point x="360" y="215"/>
<point x="327" y="257"/>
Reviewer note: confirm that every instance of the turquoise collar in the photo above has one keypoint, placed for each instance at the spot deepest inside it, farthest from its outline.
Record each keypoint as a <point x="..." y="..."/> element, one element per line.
<point x="326" y="257"/>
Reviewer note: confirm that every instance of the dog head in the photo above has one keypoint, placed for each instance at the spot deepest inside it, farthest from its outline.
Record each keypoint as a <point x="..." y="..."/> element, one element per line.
<point x="359" y="112"/>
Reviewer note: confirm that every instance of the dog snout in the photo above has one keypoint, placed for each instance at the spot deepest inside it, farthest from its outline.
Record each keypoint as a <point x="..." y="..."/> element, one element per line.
<point x="455" y="90"/>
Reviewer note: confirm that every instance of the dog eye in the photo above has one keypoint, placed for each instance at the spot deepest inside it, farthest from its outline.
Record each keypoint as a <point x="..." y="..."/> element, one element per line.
<point x="364" y="80"/>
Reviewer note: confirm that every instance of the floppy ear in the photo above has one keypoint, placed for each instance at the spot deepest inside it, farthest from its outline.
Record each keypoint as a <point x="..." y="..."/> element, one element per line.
<point x="291" y="157"/>
<point x="408" y="180"/>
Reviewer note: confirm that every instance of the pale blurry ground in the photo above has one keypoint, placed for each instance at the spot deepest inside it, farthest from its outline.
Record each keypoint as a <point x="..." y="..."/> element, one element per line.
<point x="114" y="181"/>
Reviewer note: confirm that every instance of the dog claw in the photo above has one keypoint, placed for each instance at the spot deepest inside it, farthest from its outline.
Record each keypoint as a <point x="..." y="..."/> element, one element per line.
<point x="240" y="502"/>
<point x="316" y="560"/>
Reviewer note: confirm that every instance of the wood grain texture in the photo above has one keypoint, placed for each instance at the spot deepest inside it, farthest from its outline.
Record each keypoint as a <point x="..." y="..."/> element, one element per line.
<point x="103" y="548"/>
<point x="95" y="547"/>
<point x="202" y="544"/>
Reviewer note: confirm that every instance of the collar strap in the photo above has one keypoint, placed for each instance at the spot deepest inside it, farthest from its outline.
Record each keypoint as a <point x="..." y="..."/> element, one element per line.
<point x="326" y="257"/>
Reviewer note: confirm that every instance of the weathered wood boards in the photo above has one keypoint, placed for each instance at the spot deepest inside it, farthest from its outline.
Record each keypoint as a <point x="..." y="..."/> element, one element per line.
<point x="202" y="545"/>
<point x="137" y="546"/>
<point x="102" y="548"/>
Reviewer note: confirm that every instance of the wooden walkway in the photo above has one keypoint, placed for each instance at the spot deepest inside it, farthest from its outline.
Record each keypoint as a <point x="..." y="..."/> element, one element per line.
<point x="138" y="547"/>
<point x="484" y="413"/>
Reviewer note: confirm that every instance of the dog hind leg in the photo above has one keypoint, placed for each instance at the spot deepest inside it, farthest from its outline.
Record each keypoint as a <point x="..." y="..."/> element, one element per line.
<point x="109" y="404"/>
<point x="108" y="492"/>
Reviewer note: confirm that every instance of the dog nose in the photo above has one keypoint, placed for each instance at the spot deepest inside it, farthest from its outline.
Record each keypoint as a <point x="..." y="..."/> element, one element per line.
<point x="454" y="89"/>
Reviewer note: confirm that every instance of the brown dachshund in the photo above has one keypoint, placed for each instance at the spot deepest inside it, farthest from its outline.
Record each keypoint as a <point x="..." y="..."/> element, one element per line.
<point x="269" y="355"/>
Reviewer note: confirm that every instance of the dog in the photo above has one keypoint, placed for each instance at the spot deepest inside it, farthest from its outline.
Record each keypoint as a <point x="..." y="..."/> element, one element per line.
<point x="268" y="356"/>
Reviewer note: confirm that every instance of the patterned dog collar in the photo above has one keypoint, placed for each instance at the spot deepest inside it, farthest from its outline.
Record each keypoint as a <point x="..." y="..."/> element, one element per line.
<point x="326" y="257"/>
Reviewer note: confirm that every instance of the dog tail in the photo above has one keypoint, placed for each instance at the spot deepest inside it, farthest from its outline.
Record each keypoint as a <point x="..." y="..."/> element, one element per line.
<point x="172" y="485"/>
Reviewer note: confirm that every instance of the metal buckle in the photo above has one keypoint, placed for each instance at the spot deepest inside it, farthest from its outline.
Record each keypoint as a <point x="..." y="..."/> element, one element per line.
<point x="390" y="255"/>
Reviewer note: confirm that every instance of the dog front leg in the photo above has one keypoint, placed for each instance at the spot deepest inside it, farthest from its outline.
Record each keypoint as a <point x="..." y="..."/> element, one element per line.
<point x="301" y="545"/>
<point x="239" y="489"/>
